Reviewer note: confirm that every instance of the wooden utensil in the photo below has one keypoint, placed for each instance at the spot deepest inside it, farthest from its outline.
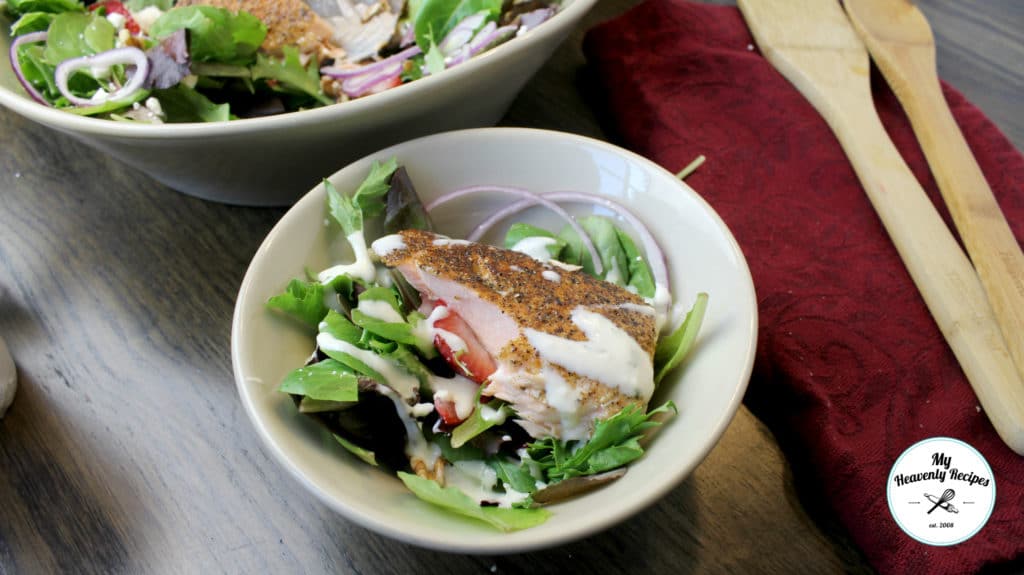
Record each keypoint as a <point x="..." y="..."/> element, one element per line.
<point x="813" y="45"/>
<point x="900" y="41"/>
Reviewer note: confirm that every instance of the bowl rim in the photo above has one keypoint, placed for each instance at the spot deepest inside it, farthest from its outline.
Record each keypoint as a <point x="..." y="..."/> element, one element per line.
<point x="26" y="106"/>
<point x="520" y="543"/>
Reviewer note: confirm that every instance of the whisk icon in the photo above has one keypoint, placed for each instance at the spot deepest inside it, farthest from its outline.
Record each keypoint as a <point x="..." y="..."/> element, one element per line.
<point x="943" y="501"/>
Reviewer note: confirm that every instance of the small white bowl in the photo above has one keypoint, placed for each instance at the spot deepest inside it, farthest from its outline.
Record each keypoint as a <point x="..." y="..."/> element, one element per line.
<point x="272" y="161"/>
<point x="702" y="257"/>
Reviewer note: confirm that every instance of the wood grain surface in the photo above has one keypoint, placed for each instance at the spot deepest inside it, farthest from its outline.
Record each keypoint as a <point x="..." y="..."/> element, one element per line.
<point x="127" y="450"/>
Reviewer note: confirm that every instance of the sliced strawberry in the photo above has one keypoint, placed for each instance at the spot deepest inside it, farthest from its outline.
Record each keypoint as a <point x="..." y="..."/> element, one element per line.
<point x="446" y="410"/>
<point x="473" y="362"/>
<point x="115" y="7"/>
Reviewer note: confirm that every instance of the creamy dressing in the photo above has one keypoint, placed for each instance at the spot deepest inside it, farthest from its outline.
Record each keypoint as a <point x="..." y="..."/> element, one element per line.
<point x="493" y="416"/>
<point x="479" y="481"/>
<point x="416" y="446"/>
<point x="362" y="268"/>
<point x="660" y="302"/>
<point x="459" y="390"/>
<point x="386" y="244"/>
<point x="396" y="377"/>
<point x="609" y="355"/>
<point x="536" y="247"/>
<point x="380" y="309"/>
<point x="636" y="307"/>
<point x="551" y="276"/>
<point x="565" y="266"/>
<point x="425" y="331"/>
<point x="565" y="398"/>
<point x="451" y="242"/>
<point x="421" y="409"/>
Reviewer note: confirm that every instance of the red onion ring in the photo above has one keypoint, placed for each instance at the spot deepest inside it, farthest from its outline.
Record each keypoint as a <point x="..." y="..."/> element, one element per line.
<point x="16" y="65"/>
<point x="370" y="68"/>
<point x="360" y="85"/>
<point x="655" y="256"/>
<point x="130" y="56"/>
<point x="462" y="33"/>
<point x="527" y="196"/>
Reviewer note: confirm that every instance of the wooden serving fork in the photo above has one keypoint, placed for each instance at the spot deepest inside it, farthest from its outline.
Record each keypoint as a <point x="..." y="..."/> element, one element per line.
<point x="900" y="41"/>
<point x="813" y="45"/>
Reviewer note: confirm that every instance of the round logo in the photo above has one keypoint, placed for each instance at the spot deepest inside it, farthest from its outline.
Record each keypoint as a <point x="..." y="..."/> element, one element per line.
<point x="941" y="491"/>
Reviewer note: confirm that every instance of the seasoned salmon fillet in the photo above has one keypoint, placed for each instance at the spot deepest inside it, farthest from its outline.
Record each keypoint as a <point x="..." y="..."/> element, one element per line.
<point x="289" y="23"/>
<point x="569" y="348"/>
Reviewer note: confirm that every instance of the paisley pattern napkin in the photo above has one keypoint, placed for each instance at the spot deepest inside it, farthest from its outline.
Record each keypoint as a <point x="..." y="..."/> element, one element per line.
<point x="851" y="370"/>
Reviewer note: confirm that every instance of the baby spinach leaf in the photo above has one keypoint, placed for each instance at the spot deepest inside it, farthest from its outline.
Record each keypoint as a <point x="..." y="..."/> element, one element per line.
<point x="302" y="300"/>
<point x="454" y="500"/>
<point x="640" y="276"/>
<point x="671" y="350"/>
<point x="216" y="34"/>
<point x="183" y="104"/>
<point x="328" y="380"/>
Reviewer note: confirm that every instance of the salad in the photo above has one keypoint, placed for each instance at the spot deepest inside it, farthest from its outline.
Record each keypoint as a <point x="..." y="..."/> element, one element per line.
<point x="159" y="61"/>
<point x="491" y="380"/>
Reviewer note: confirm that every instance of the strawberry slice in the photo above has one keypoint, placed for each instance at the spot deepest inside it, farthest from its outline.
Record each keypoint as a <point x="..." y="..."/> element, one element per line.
<point x="446" y="410"/>
<point x="473" y="362"/>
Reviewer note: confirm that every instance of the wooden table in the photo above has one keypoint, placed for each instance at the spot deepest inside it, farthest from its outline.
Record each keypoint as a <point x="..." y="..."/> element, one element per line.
<point x="127" y="449"/>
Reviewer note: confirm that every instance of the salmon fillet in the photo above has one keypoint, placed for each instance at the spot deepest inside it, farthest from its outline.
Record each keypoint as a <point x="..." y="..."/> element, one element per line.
<point x="289" y="23"/>
<point x="570" y="348"/>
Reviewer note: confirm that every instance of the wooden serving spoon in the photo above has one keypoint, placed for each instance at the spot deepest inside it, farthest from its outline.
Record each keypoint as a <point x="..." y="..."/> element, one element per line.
<point x="900" y="41"/>
<point x="812" y="44"/>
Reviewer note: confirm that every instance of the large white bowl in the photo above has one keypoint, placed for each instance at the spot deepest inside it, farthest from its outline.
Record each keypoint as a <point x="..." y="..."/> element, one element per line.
<point x="702" y="256"/>
<point x="274" y="160"/>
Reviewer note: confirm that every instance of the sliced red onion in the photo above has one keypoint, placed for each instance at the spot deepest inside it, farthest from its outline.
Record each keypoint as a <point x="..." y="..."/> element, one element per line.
<point x="462" y="33"/>
<point x="531" y="20"/>
<point x="127" y="56"/>
<point x="360" y="85"/>
<point x="525" y="195"/>
<point x="481" y="41"/>
<point x="342" y="73"/>
<point x="16" y="65"/>
<point x="655" y="256"/>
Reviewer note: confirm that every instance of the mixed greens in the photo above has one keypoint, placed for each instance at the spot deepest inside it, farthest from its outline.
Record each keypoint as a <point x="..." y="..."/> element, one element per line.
<point x="372" y="377"/>
<point x="171" y="61"/>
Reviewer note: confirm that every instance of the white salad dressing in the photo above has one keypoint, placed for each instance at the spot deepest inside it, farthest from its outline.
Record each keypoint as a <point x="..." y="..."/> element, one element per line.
<point x="609" y="355"/>
<point x="451" y="242"/>
<point x="384" y="245"/>
<point x="551" y="276"/>
<point x="380" y="309"/>
<point x="536" y="247"/>
<point x="479" y="480"/>
<point x="459" y="390"/>
<point x="566" y="399"/>
<point x="424" y="331"/>
<point x="362" y="268"/>
<point x="661" y="302"/>
<point x="416" y="446"/>
<point x="396" y="377"/>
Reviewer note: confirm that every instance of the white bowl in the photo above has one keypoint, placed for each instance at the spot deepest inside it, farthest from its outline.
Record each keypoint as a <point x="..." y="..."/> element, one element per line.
<point x="702" y="256"/>
<point x="274" y="160"/>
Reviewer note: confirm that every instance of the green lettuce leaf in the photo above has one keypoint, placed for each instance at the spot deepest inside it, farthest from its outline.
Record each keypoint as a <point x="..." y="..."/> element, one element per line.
<point x="67" y="36"/>
<point x="137" y="5"/>
<point x="302" y="300"/>
<point x="671" y="350"/>
<point x="328" y="380"/>
<point x="478" y="423"/>
<point x="370" y="194"/>
<point x="31" y="22"/>
<point x="435" y="18"/>
<point x="615" y="443"/>
<point x="215" y="34"/>
<point x="364" y="454"/>
<point x="289" y="71"/>
<point x="519" y="231"/>
<point x="640" y="276"/>
<point x="458" y="502"/>
<point x="19" y="7"/>
<point x="183" y="104"/>
<point x="341" y="208"/>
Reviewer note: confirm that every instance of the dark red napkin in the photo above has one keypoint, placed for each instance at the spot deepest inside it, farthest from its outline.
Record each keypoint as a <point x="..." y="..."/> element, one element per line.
<point x="851" y="369"/>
